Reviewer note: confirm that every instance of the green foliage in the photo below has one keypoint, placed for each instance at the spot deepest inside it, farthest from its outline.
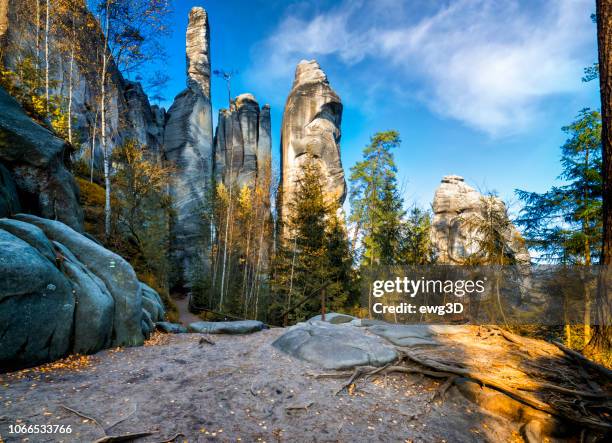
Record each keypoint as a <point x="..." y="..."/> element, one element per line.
<point x="415" y="247"/>
<point x="314" y="254"/>
<point x="376" y="205"/>
<point x="488" y="230"/>
<point x="565" y="223"/>
<point x="141" y="210"/>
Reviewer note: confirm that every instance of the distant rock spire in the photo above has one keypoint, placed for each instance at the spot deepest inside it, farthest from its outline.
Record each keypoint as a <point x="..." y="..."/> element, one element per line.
<point x="198" y="51"/>
<point x="456" y="206"/>
<point x="311" y="124"/>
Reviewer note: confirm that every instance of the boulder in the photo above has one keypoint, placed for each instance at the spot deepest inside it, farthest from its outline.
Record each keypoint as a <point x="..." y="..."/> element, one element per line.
<point x="311" y="133"/>
<point x="93" y="319"/>
<point x="34" y="156"/>
<point x="334" y="318"/>
<point x="117" y="274"/>
<point x="36" y="306"/>
<point x="457" y="207"/>
<point x="334" y="346"/>
<point x="170" y="328"/>
<point x="188" y="146"/>
<point x="226" y="327"/>
<point x="9" y="200"/>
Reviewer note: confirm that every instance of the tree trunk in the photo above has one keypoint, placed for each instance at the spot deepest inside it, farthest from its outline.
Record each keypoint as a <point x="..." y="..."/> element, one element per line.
<point x="105" y="151"/>
<point x="601" y="341"/>
<point x="47" y="58"/>
<point x="37" y="41"/>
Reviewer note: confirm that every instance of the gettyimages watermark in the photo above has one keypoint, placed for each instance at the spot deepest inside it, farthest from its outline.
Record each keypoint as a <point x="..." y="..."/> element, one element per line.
<point x="518" y="295"/>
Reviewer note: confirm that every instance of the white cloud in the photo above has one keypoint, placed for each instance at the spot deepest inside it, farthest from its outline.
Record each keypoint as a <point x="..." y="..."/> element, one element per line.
<point x="488" y="63"/>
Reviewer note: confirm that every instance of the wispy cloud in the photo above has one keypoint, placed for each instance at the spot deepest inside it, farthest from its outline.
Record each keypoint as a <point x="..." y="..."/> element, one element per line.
<point x="490" y="64"/>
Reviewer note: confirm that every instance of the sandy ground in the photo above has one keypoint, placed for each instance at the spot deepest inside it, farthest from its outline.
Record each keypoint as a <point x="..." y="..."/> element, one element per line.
<point x="239" y="389"/>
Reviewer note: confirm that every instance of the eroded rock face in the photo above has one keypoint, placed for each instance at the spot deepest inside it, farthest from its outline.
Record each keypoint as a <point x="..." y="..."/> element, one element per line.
<point x="34" y="156"/>
<point x="243" y="145"/>
<point x="188" y="143"/>
<point x="129" y="117"/>
<point x="62" y="293"/>
<point x="456" y="207"/>
<point x="311" y="132"/>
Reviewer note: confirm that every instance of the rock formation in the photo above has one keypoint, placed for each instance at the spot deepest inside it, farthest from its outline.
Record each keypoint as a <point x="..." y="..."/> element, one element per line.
<point x="61" y="293"/>
<point x="34" y="157"/>
<point x="311" y="130"/>
<point x="130" y="116"/>
<point x="188" y="143"/>
<point x="243" y="145"/>
<point x="456" y="206"/>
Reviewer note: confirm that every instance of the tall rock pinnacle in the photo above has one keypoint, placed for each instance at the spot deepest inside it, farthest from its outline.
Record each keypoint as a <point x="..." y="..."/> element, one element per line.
<point x="198" y="51"/>
<point x="311" y="130"/>
<point x="188" y="143"/>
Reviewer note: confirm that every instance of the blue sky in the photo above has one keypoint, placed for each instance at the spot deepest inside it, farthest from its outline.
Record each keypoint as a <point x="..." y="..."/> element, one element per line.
<point x="478" y="88"/>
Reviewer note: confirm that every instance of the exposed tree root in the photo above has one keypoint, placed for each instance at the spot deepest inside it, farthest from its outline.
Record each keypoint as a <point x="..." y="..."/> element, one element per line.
<point x="124" y="437"/>
<point x="581" y="358"/>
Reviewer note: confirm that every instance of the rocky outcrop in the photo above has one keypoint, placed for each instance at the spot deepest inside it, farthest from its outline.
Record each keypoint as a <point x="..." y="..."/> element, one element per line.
<point x="311" y="132"/>
<point x="243" y="146"/>
<point x="457" y="208"/>
<point x="34" y="157"/>
<point x="146" y="122"/>
<point x="61" y="293"/>
<point x="188" y="144"/>
<point x="130" y="115"/>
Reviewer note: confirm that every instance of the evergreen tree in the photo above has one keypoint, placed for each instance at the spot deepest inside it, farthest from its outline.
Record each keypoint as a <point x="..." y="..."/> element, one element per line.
<point x="416" y="248"/>
<point x="565" y="223"/>
<point x="315" y="256"/>
<point x="375" y="203"/>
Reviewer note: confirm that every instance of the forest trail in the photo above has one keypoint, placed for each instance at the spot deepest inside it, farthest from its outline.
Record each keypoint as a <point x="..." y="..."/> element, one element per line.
<point x="243" y="388"/>
<point x="240" y="388"/>
<point x="185" y="316"/>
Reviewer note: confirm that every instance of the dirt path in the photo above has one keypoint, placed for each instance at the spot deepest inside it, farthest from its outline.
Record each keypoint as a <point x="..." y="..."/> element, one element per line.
<point x="240" y="389"/>
<point x="185" y="317"/>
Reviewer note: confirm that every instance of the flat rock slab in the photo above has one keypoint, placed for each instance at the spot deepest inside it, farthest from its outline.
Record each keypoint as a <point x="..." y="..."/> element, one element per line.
<point x="170" y="328"/>
<point x="414" y="335"/>
<point x="227" y="327"/>
<point x="334" y="346"/>
<point x="335" y="318"/>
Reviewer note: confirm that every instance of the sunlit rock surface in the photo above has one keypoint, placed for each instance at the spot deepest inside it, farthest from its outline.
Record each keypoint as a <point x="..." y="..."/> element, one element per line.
<point x="243" y="144"/>
<point x="457" y="210"/>
<point x="311" y="132"/>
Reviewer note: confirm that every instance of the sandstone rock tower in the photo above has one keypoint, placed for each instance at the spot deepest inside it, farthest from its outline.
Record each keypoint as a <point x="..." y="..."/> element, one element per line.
<point x="311" y="130"/>
<point x="455" y="205"/>
<point x="243" y="144"/>
<point x="188" y="143"/>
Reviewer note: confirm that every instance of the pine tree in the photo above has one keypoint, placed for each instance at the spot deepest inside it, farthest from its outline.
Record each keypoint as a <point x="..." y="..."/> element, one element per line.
<point x="565" y="223"/>
<point x="314" y="256"/>
<point x="375" y="202"/>
<point x="416" y="248"/>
